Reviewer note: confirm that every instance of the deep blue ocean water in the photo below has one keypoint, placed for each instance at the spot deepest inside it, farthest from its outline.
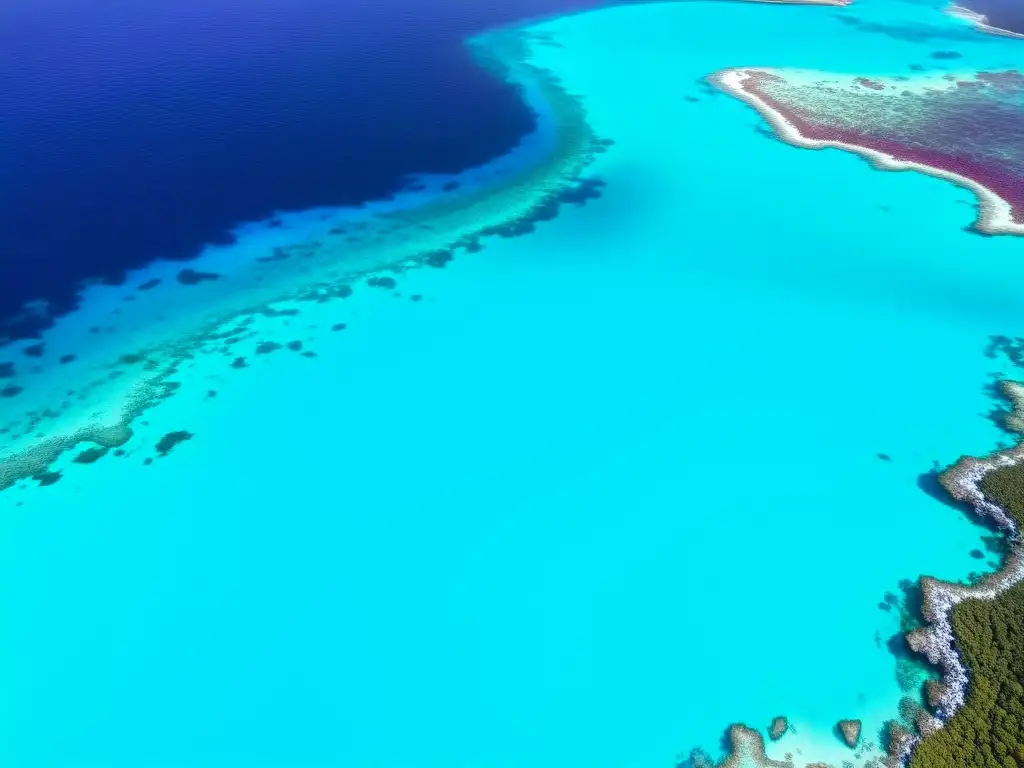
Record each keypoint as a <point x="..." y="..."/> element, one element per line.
<point x="1004" y="14"/>
<point x="134" y="131"/>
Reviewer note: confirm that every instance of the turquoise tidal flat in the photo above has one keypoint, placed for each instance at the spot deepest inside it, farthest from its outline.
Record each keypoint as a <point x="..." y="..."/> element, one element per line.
<point x="585" y="494"/>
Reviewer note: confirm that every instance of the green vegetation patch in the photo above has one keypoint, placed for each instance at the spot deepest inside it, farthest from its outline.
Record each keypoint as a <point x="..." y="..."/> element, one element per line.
<point x="988" y="731"/>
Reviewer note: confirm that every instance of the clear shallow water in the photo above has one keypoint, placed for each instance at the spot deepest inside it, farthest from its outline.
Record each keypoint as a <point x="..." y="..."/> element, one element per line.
<point x="602" y="490"/>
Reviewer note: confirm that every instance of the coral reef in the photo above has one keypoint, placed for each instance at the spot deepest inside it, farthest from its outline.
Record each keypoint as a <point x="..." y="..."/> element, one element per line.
<point x="967" y="129"/>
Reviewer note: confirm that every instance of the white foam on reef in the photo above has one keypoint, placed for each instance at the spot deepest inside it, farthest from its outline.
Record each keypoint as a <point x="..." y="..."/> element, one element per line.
<point x="308" y="255"/>
<point x="979" y="21"/>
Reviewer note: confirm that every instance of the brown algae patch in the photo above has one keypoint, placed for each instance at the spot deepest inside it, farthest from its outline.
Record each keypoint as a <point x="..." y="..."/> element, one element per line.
<point x="121" y="358"/>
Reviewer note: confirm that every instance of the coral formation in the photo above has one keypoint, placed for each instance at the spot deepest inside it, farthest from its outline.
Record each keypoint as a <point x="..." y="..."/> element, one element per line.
<point x="850" y="732"/>
<point x="967" y="129"/>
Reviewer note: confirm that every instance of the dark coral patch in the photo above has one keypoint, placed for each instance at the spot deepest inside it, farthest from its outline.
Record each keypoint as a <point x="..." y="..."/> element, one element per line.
<point x="271" y="312"/>
<point x="267" y="347"/>
<point x="6" y="370"/>
<point x="65" y="359"/>
<point x="171" y="439"/>
<point x="278" y="254"/>
<point x="946" y="55"/>
<point x="90" y="455"/>
<point x="996" y="544"/>
<point x="437" y="259"/>
<point x="1011" y="348"/>
<point x="451" y="186"/>
<point x="46" y="478"/>
<point x="239" y="362"/>
<point x="35" y="350"/>
<point x="339" y="327"/>
<point x="132" y="358"/>
<point x="977" y="554"/>
<point x="308" y="353"/>
<point x="149" y="284"/>
<point x="224" y="238"/>
<point x="11" y="390"/>
<point x="295" y="346"/>
<point x="192" y="277"/>
<point x="382" y="282"/>
<point x="869" y="83"/>
<point x="884" y="456"/>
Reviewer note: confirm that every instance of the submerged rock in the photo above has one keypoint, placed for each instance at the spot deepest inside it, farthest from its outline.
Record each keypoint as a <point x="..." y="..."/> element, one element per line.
<point x="778" y="727"/>
<point x="850" y="731"/>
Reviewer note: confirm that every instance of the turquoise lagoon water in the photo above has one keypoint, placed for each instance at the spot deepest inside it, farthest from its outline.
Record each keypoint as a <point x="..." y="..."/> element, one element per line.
<point x="584" y="497"/>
